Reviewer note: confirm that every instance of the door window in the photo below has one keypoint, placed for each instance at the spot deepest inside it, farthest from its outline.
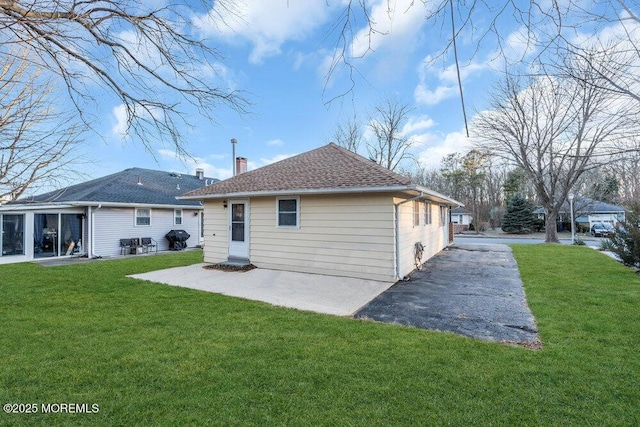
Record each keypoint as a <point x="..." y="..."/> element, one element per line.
<point x="237" y="222"/>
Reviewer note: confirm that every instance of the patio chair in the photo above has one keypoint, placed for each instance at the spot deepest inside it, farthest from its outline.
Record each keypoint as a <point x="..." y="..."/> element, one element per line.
<point x="136" y="246"/>
<point x="148" y="243"/>
<point x="125" y="246"/>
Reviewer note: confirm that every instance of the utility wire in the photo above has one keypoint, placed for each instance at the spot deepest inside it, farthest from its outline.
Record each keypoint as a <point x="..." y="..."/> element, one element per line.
<point x="455" y="53"/>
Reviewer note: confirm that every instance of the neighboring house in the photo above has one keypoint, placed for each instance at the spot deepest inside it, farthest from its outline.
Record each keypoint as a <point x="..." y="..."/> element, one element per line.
<point x="587" y="212"/>
<point x="326" y="211"/>
<point x="461" y="219"/>
<point x="90" y="218"/>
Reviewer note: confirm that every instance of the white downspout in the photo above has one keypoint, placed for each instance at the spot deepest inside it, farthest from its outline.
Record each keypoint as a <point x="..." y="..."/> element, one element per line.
<point x="93" y="240"/>
<point x="89" y="242"/>
<point x="397" y="230"/>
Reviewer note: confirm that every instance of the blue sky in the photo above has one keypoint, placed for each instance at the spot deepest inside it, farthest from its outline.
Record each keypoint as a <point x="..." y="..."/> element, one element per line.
<point x="278" y="53"/>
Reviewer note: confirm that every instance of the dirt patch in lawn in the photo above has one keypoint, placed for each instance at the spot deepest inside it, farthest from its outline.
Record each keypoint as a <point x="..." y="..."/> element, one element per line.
<point x="229" y="268"/>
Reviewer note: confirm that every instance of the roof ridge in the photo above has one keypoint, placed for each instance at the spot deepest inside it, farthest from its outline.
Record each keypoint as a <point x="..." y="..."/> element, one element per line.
<point x="370" y="162"/>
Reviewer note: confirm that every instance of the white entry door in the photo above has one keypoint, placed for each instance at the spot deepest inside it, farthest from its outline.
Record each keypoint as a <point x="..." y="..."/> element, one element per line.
<point x="239" y="229"/>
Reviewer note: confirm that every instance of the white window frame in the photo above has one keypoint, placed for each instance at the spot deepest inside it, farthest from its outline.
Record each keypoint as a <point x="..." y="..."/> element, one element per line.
<point x="443" y="213"/>
<point x="427" y="213"/>
<point x="136" y="217"/>
<point x="176" y="216"/>
<point x="297" y="199"/>
<point x="416" y="213"/>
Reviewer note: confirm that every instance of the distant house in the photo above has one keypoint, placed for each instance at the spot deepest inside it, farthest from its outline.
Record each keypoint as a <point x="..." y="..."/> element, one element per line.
<point x="461" y="219"/>
<point x="91" y="218"/>
<point x="586" y="212"/>
<point x="326" y="211"/>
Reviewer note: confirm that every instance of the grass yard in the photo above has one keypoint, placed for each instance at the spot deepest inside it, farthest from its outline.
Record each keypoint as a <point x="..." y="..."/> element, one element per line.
<point x="150" y="354"/>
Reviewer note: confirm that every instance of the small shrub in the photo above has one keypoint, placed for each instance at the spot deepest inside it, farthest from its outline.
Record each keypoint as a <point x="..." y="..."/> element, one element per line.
<point x="578" y="241"/>
<point x="606" y="245"/>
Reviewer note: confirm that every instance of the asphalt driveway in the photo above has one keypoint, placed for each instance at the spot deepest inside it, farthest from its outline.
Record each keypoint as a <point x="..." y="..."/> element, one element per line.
<point x="469" y="289"/>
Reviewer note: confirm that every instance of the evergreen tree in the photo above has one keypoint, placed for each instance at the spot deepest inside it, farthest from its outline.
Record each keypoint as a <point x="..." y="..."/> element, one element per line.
<point x="515" y="183"/>
<point x="519" y="216"/>
<point x="625" y="242"/>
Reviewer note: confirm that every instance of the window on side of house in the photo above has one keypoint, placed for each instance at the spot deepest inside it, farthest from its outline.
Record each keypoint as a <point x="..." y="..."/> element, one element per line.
<point x="416" y="213"/>
<point x="12" y="234"/>
<point x="177" y="217"/>
<point x="143" y="216"/>
<point x="443" y="215"/>
<point x="427" y="213"/>
<point x="288" y="212"/>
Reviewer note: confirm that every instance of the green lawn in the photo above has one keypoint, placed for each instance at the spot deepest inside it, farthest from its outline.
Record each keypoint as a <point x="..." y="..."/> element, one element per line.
<point x="150" y="354"/>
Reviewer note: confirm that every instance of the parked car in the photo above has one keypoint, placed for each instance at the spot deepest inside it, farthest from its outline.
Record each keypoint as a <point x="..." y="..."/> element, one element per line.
<point x="602" y="229"/>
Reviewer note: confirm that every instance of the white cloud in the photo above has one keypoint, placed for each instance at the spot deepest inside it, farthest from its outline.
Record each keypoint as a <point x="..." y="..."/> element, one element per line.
<point x="445" y="80"/>
<point x="423" y="96"/>
<point x="267" y="161"/>
<point x="266" y="24"/>
<point x="189" y="165"/>
<point x="436" y="147"/>
<point x="394" y="23"/>
<point x="120" y="127"/>
<point x="171" y="161"/>
<point x="389" y="42"/>
<point x="275" y="143"/>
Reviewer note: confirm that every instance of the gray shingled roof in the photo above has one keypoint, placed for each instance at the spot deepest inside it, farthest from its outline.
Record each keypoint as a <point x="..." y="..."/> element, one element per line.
<point x="155" y="188"/>
<point x="460" y="210"/>
<point x="327" y="167"/>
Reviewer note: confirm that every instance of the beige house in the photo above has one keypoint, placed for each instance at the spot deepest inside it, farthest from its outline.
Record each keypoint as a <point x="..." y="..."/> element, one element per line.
<point x="326" y="211"/>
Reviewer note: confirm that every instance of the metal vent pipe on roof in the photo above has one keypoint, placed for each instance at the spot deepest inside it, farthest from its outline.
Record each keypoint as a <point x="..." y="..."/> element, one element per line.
<point x="233" y="157"/>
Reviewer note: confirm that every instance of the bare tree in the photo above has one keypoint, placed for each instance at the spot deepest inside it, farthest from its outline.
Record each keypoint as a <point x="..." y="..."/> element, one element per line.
<point x="37" y="142"/>
<point x="627" y="169"/>
<point x="541" y="27"/>
<point x="349" y="134"/>
<point x="555" y="129"/>
<point x="390" y="145"/>
<point x="139" y="53"/>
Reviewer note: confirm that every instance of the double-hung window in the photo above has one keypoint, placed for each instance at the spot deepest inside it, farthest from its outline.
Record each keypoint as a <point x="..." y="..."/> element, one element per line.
<point x="143" y="216"/>
<point x="288" y="212"/>
<point x="177" y="217"/>
<point x="416" y="213"/>
<point x="427" y="213"/>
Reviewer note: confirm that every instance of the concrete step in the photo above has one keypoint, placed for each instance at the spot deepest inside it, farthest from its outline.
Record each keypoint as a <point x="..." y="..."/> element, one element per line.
<point x="236" y="262"/>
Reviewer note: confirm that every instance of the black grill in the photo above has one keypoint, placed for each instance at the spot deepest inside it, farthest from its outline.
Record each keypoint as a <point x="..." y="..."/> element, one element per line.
<point x="177" y="239"/>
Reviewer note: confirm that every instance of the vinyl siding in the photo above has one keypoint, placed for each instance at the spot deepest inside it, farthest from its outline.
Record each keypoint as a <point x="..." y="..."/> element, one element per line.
<point x="350" y="235"/>
<point x="113" y="224"/>
<point x="216" y="232"/>
<point x="432" y="236"/>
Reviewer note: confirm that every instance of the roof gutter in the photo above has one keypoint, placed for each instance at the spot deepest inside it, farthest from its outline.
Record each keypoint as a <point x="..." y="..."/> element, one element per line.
<point x="422" y="191"/>
<point x="62" y="205"/>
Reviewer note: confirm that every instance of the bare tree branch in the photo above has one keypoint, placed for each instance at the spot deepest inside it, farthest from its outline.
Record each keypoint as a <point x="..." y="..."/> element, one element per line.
<point x="36" y="142"/>
<point x="391" y="146"/>
<point x="349" y="134"/>
<point x="138" y="55"/>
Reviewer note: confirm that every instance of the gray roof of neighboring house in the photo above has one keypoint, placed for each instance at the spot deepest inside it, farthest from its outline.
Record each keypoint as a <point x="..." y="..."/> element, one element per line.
<point x="585" y="205"/>
<point x="131" y="186"/>
<point x="461" y="210"/>
<point x="328" y="169"/>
